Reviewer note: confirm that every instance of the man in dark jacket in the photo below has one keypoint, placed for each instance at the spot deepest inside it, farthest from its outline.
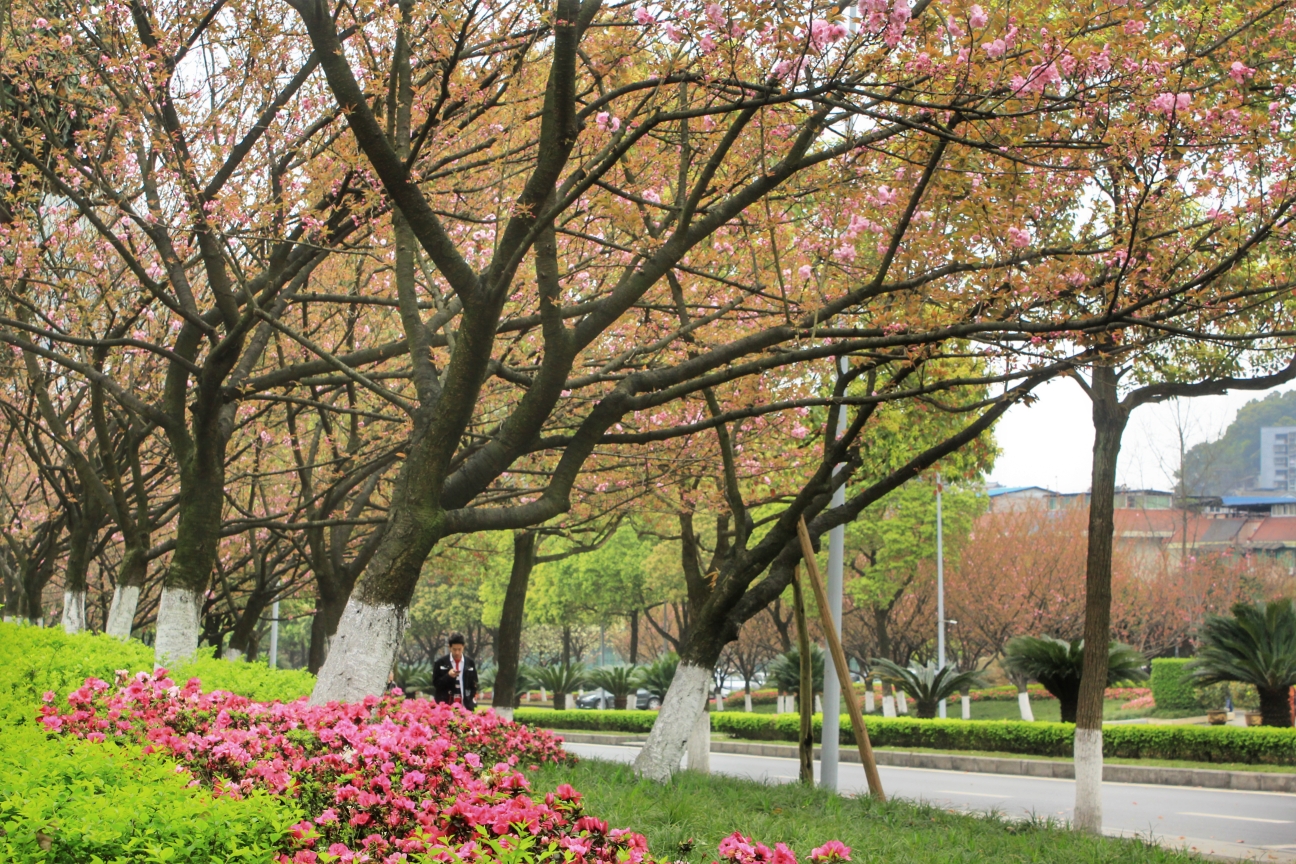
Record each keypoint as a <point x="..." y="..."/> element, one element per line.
<point x="454" y="676"/>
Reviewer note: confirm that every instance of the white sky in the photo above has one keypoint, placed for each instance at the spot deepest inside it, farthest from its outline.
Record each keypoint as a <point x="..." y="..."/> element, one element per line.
<point x="1050" y="443"/>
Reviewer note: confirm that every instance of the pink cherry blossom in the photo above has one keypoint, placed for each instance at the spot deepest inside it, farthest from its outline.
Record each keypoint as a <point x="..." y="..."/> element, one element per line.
<point x="643" y="16"/>
<point x="1239" y="72"/>
<point x="994" y="50"/>
<point x="977" y="17"/>
<point x="1018" y="237"/>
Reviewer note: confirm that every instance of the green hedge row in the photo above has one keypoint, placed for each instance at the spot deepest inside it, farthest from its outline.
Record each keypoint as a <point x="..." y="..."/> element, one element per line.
<point x="67" y="801"/>
<point x="1264" y="746"/>
<point x="595" y="721"/>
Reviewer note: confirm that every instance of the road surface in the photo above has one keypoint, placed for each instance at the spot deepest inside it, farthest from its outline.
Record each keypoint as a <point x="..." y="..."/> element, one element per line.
<point x="1258" y="825"/>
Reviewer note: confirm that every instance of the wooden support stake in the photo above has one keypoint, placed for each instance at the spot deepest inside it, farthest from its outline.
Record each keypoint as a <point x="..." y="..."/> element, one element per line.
<point x="839" y="660"/>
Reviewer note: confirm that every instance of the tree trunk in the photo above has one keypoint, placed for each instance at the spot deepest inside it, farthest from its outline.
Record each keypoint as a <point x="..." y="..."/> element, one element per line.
<point x="508" y="639"/>
<point x="1109" y="418"/>
<point x="130" y="582"/>
<point x="80" y="547"/>
<point x="1023" y="698"/>
<point x="566" y="645"/>
<point x="202" y="501"/>
<point x="634" y="637"/>
<point x="805" y="693"/>
<point x="1275" y="706"/>
<point x="243" y="639"/>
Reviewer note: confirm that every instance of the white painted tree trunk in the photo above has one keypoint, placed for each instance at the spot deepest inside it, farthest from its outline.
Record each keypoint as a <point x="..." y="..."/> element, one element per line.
<point x="967" y="707"/>
<point x="699" y="745"/>
<point x="362" y="653"/>
<point x="818" y="704"/>
<point x="1023" y="705"/>
<point x="177" y="626"/>
<point x="569" y="702"/>
<point x="1088" y="780"/>
<point x="686" y="698"/>
<point x="719" y="702"/>
<point x="747" y="706"/>
<point x="888" y="706"/>
<point x="902" y="703"/>
<point x="504" y="712"/>
<point x="121" y="614"/>
<point x="233" y="655"/>
<point x="74" y="618"/>
<point x="869" y="704"/>
<point x="543" y="697"/>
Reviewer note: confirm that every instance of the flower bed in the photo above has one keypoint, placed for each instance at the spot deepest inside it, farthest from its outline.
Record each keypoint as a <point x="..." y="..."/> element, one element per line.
<point x="380" y="780"/>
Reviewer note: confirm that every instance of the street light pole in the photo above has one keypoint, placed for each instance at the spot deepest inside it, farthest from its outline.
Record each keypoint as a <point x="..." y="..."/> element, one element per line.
<point x="830" y="751"/>
<point x="940" y="586"/>
<point x="274" y="635"/>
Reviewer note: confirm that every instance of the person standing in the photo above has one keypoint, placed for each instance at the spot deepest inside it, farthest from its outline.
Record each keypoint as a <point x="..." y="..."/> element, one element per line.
<point x="454" y="676"/>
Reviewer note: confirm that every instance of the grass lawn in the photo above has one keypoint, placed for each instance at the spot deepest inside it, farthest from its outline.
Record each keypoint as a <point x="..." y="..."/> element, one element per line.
<point x="686" y="819"/>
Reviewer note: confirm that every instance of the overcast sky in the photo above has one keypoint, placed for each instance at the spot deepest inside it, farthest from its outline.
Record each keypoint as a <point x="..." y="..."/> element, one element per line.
<point x="1050" y="443"/>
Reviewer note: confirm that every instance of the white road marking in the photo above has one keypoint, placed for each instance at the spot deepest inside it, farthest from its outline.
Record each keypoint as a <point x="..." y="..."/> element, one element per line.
<point x="1238" y="818"/>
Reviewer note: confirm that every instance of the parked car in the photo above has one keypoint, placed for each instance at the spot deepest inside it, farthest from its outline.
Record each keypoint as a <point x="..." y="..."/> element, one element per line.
<point x="643" y="700"/>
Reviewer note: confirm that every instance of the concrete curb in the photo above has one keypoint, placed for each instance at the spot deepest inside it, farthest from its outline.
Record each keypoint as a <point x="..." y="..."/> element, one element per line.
<point x="1248" y="781"/>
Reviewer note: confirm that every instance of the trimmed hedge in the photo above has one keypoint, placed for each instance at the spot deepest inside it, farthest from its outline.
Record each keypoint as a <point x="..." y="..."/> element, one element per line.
<point x="69" y="801"/>
<point x="1172" y="685"/>
<point x="595" y="721"/>
<point x="1263" y="746"/>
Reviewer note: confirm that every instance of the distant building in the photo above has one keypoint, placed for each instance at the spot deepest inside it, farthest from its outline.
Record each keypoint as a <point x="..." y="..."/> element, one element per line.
<point x="1148" y="525"/>
<point x="1005" y="498"/>
<point x="1275" y="444"/>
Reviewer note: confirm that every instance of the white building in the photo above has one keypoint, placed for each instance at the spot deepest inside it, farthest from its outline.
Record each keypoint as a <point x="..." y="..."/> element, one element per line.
<point x="1274" y="448"/>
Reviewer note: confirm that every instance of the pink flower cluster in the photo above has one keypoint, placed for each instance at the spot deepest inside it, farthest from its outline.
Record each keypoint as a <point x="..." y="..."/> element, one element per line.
<point x="383" y="779"/>
<point x="738" y="849"/>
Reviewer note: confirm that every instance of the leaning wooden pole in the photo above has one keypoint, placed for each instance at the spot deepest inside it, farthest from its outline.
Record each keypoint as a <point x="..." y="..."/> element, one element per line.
<point x="839" y="661"/>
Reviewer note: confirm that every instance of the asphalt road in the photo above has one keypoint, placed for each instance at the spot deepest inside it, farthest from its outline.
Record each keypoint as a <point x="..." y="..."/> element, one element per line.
<point x="1221" y="822"/>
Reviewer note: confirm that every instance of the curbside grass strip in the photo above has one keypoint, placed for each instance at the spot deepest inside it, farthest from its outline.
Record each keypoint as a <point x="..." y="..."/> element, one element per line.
<point x="1218" y="744"/>
<point x="1247" y="781"/>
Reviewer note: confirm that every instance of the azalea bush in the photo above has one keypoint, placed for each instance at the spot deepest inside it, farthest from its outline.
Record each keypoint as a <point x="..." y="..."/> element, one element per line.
<point x="387" y="779"/>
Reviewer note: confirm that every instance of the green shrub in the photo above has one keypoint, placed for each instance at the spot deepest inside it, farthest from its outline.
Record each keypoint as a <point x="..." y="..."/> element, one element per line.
<point x="1172" y="684"/>
<point x="1186" y="743"/>
<point x="597" y="721"/>
<point x="67" y="801"/>
<point x="253" y="680"/>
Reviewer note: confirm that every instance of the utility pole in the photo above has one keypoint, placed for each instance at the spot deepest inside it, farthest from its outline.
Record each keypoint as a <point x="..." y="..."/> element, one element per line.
<point x="830" y="750"/>
<point x="274" y="635"/>
<point x="940" y="587"/>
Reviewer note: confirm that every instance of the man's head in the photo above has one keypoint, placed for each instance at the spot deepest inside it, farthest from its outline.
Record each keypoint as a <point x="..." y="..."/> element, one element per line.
<point x="456" y="645"/>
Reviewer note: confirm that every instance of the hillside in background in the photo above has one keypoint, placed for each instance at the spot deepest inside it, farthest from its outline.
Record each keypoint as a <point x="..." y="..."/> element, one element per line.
<point x="1232" y="462"/>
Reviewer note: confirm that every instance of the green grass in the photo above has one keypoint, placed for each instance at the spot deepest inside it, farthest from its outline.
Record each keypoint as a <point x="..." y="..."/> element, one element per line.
<point x="687" y="818"/>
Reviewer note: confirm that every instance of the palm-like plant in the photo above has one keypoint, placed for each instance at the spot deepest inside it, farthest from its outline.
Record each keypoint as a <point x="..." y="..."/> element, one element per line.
<point x="620" y="681"/>
<point x="559" y="678"/>
<point x="785" y="670"/>
<point x="926" y="685"/>
<point x="658" y="675"/>
<point x="1256" y="646"/>
<point x="413" y="677"/>
<point x="1056" y="663"/>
